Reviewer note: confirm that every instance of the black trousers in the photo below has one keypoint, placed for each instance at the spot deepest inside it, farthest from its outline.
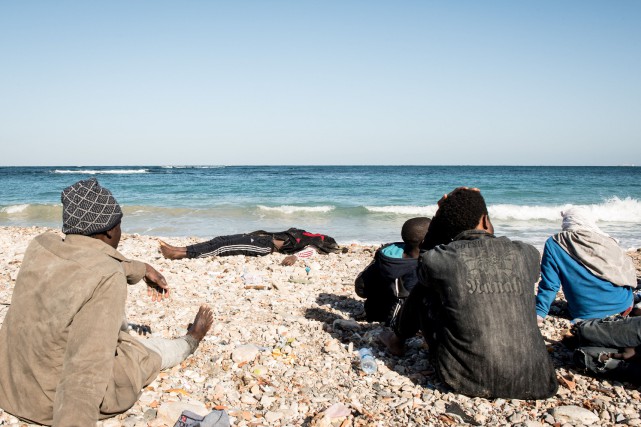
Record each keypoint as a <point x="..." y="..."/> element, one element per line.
<point x="234" y="244"/>
<point x="417" y="313"/>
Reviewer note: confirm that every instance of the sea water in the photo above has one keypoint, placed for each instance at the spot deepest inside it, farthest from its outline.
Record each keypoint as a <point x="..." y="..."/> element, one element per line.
<point x="362" y="204"/>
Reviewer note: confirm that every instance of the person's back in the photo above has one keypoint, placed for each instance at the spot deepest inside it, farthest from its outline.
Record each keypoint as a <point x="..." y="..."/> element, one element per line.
<point x="392" y="274"/>
<point x="65" y="358"/>
<point x="596" y="274"/>
<point x="475" y="306"/>
<point x="487" y="341"/>
<point x="588" y="296"/>
<point x="389" y="277"/>
<point x="44" y="317"/>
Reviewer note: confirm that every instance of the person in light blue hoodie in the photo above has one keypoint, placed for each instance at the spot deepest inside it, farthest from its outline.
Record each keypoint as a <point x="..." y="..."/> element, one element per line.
<point x="390" y="277"/>
<point x="595" y="273"/>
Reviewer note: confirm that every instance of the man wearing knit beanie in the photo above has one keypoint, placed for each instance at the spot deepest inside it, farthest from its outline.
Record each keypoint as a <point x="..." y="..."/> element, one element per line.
<point x="77" y="363"/>
<point x="88" y="208"/>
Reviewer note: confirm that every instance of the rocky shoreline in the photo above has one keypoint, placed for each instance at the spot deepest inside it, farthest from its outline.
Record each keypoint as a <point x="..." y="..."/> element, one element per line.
<point x="282" y="351"/>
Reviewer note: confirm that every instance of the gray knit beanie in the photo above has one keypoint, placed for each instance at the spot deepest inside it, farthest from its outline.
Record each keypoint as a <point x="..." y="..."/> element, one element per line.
<point x="88" y="208"/>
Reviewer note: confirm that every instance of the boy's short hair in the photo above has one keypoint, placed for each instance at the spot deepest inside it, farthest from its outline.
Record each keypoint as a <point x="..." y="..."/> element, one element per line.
<point x="414" y="230"/>
<point x="459" y="212"/>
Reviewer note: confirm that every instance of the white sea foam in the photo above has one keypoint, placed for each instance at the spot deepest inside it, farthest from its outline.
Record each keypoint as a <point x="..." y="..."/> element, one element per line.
<point x="100" y="172"/>
<point x="13" y="209"/>
<point x="611" y="210"/>
<point x="404" y="210"/>
<point x="288" y="209"/>
<point x="626" y="210"/>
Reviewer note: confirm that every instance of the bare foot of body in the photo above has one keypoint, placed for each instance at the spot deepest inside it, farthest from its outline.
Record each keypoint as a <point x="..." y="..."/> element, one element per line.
<point x="172" y="252"/>
<point x="202" y="323"/>
<point x="628" y="353"/>
<point x="394" y="344"/>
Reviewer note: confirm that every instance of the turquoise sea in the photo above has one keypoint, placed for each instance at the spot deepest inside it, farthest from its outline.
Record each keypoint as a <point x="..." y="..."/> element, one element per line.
<point x="364" y="204"/>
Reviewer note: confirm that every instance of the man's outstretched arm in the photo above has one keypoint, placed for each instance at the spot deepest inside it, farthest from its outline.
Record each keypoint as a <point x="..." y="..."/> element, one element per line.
<point x="549" y="284"/>
<point x="157" y="287"/>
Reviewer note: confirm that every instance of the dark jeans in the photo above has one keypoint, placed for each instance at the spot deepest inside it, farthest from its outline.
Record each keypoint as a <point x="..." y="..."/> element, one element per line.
<point x="416" y="314"/>
<point x="234" y="244"/>
<point x="599" y="337"/>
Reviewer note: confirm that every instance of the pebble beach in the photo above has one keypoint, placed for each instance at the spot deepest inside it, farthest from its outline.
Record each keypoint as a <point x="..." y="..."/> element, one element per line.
<point x="283" y="350"/>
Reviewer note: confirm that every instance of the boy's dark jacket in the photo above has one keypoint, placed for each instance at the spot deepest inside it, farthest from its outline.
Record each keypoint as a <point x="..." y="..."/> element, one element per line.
<point x="384" y="281"/>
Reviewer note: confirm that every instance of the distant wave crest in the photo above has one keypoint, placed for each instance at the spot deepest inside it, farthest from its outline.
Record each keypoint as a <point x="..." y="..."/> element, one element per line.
<point x="288" y="209"/>
<point x="100" y="171"/>
<point x="193" y="167"/>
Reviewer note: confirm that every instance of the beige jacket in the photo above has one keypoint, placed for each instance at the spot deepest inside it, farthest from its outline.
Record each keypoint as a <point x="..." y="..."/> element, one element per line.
<point x="63" y="358"/>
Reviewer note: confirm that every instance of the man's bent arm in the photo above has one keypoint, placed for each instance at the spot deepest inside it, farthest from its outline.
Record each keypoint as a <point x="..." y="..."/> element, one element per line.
<point x="549" y="284"/>
<point x="90" y="353"/>
<point x="134" y="270"/>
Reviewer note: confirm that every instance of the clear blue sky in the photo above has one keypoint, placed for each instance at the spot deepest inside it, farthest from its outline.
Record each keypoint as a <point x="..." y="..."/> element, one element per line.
<point x="320" y="82"/>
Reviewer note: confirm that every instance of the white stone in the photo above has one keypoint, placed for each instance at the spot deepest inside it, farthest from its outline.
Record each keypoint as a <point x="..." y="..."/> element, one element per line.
<point x="270" y="416"/>
<point x="337" y="410"/>
<point x="574" y="414"/>
<point x="169" y="412"/>
<point x="244" y="353"/>
<point x="267" y="401"/>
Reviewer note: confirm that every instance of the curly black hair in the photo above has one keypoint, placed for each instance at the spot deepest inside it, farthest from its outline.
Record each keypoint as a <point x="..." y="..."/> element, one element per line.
<point x="460" y="211"/>
<point x="414" y="230"/>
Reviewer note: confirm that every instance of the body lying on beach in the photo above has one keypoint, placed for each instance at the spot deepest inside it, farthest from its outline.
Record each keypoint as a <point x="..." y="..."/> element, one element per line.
<point x="294" y="242"/>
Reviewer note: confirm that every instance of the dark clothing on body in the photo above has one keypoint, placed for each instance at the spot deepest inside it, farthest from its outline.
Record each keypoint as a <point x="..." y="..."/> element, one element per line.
<point x="475" y="305"/>
<point x="259" y="243"/>
<point x="296" y="240"/>
<point x="234" y="244"/>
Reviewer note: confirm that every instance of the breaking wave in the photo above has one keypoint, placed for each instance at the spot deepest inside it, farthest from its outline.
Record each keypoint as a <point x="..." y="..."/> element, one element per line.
<point x="611" y="210"/>
<point x="288" y="209"/>
<point x="403" y="210"/>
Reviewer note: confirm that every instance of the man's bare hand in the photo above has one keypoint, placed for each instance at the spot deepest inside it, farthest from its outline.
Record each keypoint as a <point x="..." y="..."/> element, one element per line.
<point x="157" y="287"/>
<point x="445" y="196"/>
<point x="289" y="260"/>
<point x="140" y="329"/>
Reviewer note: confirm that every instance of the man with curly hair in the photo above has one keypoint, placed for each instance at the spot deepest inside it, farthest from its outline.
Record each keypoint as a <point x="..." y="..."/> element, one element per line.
<point x="475" y="306"/>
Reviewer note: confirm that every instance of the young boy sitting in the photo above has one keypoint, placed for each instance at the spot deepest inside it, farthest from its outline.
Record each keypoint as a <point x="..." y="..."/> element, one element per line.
<point x="390" y="277"/>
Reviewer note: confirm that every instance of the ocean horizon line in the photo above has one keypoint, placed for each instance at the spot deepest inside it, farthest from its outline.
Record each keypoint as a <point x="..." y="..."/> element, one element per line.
<point x="187" y="165"/>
